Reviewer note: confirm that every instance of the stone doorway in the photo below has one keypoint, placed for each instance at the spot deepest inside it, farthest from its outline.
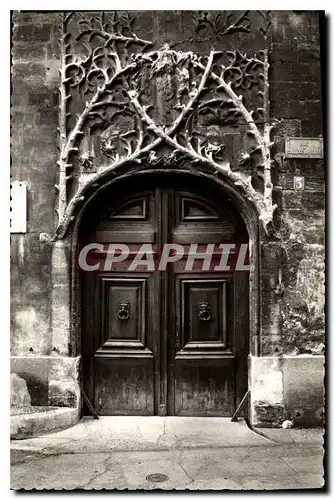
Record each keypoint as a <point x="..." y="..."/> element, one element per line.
<point x="161" y="355"/>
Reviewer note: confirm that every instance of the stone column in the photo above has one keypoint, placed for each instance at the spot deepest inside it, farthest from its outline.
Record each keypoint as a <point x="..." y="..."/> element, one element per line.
<point x="63" y="370"/>
<point x="60" y="298"/>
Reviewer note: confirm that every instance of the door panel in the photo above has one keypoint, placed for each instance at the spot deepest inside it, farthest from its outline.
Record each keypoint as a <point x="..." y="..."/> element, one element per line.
<point x="123" y="361"/>
<point x="124" y="386"/>
<point x="120" y="350"/>
<point x="203" y="359"/>
<point x="203" y="313"/>
<point x="205" y="388"/>
<point x="124" y="311"/>
<point x="204" y="356"/>
<point x="169" y="342"/>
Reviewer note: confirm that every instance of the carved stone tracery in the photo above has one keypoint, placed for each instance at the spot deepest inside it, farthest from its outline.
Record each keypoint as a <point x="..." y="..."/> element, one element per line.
<point x="114" y="84"/>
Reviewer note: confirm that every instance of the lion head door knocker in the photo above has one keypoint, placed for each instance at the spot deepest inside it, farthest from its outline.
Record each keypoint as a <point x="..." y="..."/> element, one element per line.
<point x="204" y="311"/>
<point x="123" y="310"/>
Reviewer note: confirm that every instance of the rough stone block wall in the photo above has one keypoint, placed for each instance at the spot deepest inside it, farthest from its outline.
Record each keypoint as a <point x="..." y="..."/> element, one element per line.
<point x="34" y="139"/>
<point x="292" y="269"/>
<point x="295" y="83"/>
<point x="50" y="380"/>
<point x="287" y="388"/>
<point x="35" y="80"/>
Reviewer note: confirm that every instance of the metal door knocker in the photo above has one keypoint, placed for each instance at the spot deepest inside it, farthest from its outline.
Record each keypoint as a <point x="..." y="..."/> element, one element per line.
<point x="123" y="311"/>
<point x="204" y="311"/>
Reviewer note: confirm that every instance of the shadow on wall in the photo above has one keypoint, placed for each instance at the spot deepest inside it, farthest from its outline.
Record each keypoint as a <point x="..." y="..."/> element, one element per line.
<point x="46" y="381"/>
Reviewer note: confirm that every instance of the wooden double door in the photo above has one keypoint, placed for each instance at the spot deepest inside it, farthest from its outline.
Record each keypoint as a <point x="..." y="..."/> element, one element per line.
<point x="169" y="341"/>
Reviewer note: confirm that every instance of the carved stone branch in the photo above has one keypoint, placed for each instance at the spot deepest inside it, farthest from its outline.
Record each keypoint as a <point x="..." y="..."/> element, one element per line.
<point x="62" y="163"/>
<point x="113" y="35"/>
<point x="195" y="156"/>
<point x="132" y="149"/>
<point x="238" y="24"/>
<point x="165" y="136"/>
<point x="68" y="143"/>
<point x="219" y="25"/>
<point x="65" y="218"/>
<point x="114" y="38"/>
<point x="185" y="111"/>
<point x="267" y="144"/>
<point x="263" y="141"/>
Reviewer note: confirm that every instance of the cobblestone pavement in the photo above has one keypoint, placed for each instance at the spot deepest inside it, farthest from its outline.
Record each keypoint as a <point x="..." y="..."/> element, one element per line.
<point x="120" y="453"/>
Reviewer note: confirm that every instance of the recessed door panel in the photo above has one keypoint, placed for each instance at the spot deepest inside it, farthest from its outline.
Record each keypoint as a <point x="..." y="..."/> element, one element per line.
<point x="124" y="386"/>
<point x="203" y="312"/>
<point x="205" y="388"/>
<point x="124" y="308"/>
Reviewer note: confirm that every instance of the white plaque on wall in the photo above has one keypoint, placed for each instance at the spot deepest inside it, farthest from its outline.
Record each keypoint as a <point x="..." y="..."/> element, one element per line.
<point x="18" y="207"/>
<point x="307" y="147"/>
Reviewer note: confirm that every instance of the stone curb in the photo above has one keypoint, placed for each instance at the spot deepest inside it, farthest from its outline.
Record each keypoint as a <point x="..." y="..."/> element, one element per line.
<point x="314" y="436"/>
<point x="34" y="424"/>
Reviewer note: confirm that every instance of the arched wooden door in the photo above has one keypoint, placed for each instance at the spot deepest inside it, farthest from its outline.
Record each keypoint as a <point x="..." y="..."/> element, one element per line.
<point x="171" y="341"/>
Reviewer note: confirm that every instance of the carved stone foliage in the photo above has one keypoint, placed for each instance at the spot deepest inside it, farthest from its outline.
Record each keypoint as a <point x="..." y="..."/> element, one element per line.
<point x="121" y="102"/>
<point x="212" y="25"/>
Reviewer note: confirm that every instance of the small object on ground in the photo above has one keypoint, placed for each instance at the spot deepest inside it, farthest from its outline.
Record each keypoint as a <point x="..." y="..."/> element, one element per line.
<point x="287" y="424"/>
<point x="157" y="477"/>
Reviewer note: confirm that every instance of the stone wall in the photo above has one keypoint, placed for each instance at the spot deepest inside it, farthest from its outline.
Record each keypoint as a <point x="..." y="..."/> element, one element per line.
<point x="35" y="80"/>
<point x="293" y="268"/>
<point x="296" y="100"/>
<point x="286" y="388"/>
<point x="51" y="380"/>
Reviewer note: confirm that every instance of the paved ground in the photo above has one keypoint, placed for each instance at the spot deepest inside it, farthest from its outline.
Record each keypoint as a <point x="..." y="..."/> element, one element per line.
<point x="194" y="453"/>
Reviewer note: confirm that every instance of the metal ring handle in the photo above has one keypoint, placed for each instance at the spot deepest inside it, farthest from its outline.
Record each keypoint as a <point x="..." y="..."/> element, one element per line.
<point x="204" y="311"/>
<point x="123" y="311"/>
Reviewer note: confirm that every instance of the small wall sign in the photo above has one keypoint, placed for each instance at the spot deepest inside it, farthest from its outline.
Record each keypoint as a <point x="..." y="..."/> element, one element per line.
<point x="18" y="207"/>
<point x="298" y="183"/>
<point x="307" y="147"/>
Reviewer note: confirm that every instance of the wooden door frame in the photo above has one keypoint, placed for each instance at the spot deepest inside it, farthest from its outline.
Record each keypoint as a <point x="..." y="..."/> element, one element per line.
<point x="243" y="206"/>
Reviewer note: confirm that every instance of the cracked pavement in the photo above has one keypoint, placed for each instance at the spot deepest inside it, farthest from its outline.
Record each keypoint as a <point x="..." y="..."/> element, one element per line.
<point x="195" y="453"/>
